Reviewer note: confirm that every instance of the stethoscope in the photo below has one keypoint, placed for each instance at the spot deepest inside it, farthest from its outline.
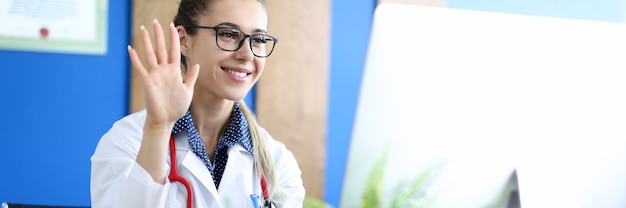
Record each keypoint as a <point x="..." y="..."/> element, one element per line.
<point x="175" y="177"/>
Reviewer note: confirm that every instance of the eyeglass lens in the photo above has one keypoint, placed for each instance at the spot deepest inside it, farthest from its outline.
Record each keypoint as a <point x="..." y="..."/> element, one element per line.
<point x="231" y="39"/>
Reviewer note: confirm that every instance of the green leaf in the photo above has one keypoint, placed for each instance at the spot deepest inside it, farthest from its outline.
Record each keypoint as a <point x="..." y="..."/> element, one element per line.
<point x="415" y="194"/>
<point x="371" y="196"/>
<point x="310" y="202"/>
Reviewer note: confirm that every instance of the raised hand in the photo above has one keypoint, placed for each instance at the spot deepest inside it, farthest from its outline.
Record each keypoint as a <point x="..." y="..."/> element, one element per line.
<point x="167" y="95"/>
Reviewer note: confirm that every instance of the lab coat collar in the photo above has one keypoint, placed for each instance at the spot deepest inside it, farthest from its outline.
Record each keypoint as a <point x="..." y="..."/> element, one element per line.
<point x="239" y="160"/>
<point x="194" y="165"/>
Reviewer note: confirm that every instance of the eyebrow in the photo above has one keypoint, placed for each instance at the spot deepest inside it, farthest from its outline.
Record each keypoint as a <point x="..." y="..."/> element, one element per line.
<point x="230" y="24"/>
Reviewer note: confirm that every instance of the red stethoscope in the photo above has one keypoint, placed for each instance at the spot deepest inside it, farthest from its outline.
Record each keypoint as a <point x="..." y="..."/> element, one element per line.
<point x="175" y="177"/>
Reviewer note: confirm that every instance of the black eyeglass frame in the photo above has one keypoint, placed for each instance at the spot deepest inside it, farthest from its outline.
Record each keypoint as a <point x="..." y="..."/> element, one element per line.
<point x="245" y="36"/>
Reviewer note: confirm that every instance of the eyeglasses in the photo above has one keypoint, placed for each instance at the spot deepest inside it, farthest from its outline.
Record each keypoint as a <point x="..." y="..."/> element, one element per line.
<point x="231" y="39"/>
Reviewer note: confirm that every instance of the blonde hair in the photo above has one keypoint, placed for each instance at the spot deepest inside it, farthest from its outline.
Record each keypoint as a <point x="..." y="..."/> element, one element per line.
<point x="262" y="159"/>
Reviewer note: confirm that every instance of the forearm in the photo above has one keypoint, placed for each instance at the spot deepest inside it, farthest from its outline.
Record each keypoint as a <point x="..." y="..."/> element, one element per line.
<point x="152" y="154"/>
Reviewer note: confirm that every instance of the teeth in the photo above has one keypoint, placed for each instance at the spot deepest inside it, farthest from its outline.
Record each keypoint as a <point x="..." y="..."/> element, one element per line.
<point x="238" y="74"/>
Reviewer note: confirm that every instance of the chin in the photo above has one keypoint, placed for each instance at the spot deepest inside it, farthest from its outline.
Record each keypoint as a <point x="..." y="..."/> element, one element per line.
<point x="235" y="92"/>
<point x="235" y="96"/>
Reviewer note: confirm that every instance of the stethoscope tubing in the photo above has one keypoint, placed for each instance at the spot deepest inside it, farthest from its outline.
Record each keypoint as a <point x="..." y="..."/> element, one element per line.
<point x="174" y="176"/>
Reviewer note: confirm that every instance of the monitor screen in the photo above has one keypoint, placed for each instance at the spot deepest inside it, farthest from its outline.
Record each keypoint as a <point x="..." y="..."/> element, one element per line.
<point x="454" y="102"/>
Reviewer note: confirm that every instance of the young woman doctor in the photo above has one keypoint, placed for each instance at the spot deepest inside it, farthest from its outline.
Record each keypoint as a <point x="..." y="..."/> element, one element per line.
<point x="196" y="144"/>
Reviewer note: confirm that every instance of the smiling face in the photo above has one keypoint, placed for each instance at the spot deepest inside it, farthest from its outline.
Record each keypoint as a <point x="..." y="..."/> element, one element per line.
<point x="225" y="74"/>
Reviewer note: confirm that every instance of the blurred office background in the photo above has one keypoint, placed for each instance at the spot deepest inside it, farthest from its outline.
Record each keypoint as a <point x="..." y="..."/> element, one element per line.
<point x="55" y="106"/>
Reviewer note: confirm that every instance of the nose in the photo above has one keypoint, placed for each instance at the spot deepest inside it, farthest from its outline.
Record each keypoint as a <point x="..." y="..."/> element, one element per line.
<point x="245" y="52"/>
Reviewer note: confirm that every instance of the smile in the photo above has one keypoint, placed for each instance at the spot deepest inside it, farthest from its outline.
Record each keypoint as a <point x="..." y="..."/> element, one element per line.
<point x="236" y="73"/>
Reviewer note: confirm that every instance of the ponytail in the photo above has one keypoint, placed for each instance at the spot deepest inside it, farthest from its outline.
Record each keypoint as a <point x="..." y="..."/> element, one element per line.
<point x="262" y="159"/>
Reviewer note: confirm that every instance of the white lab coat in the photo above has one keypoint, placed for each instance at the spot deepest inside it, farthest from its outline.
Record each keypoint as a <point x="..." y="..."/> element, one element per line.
<point x="118" y="181"/>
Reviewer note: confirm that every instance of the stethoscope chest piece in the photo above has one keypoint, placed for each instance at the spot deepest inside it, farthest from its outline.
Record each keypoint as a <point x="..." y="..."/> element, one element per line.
<point x="269" y="204"/>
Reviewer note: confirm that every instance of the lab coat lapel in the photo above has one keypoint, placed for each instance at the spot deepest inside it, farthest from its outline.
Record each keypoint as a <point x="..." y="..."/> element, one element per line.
<point x="196" y="167"/>
<point x="240" y="161"/>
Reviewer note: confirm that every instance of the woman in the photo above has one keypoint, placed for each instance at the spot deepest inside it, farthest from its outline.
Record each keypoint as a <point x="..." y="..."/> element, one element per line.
<point x="218" y="149"/>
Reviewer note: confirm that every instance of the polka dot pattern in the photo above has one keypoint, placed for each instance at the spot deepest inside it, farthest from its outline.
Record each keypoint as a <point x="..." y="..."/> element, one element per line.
<point x="236" y="132"/>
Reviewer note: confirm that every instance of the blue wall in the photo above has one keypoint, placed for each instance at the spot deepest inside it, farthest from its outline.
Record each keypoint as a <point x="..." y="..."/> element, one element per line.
<point x="350" y="28"/>
<point x="53" y="111"/>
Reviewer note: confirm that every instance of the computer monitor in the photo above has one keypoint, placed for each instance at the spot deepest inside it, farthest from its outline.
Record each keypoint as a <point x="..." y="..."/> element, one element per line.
<point x="454" y="102"/>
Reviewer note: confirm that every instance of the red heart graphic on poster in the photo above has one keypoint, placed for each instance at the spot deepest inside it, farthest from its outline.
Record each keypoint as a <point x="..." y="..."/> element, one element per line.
<point x="43" y="32"/>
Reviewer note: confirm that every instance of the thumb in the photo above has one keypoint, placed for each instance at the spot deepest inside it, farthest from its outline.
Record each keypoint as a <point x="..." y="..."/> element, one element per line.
<point x="192" y="76"/>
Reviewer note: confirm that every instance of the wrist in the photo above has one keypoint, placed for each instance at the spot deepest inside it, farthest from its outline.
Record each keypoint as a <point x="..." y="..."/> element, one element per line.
<point x="157" y="126"/>
<point x="158" y="130"/>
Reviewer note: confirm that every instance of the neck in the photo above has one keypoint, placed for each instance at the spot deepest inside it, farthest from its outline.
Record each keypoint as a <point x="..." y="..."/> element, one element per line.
<point x="210" y="119"/>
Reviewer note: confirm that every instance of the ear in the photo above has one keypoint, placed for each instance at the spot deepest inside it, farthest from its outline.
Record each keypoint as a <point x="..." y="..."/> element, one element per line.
<point x="185" y="41"/>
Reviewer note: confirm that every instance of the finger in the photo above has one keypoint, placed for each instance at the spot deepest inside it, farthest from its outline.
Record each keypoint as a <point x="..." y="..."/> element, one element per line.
<point x="147" y="46"/>
<point x="137" y="65"/>
<point x="174" y="56"/>
<point x="161" y="51"/>
<point x="192" y="76"/>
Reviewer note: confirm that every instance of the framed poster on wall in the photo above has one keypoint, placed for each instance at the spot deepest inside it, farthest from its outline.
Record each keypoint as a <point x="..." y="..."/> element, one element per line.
<point x="60" y="26"/>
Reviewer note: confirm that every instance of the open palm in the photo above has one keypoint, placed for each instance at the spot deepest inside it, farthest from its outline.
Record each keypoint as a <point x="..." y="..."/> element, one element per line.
<point x="167" y="94"/>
